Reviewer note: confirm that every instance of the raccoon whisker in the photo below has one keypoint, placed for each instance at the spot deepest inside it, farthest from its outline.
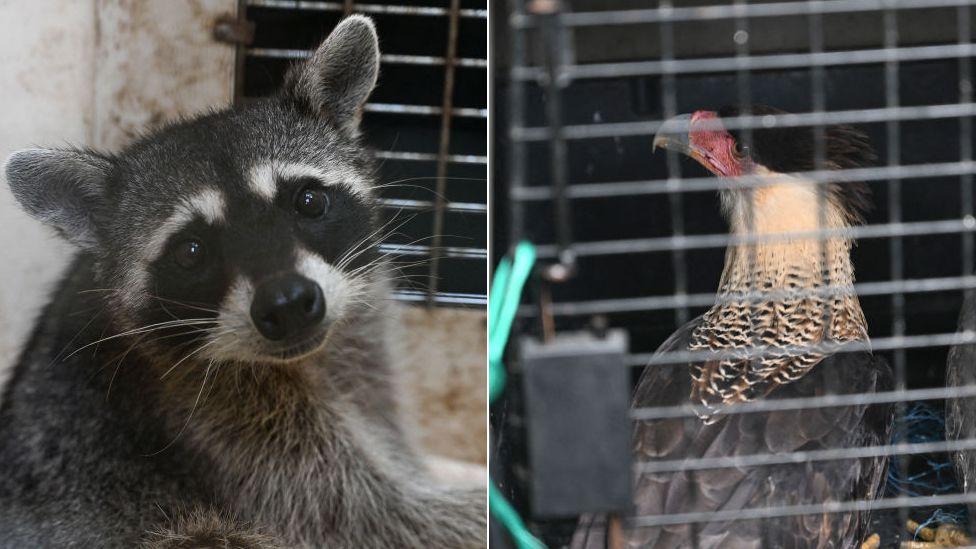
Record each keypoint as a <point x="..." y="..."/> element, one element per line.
<point x="372" y="238"/>
<point x="167" y="311"/>
<point x="191" y="353"/>
<point x="142" y="339"/>
<point x="397" y="184"/>
<point x="411" y="281"/>
<point x="400" y="265"/>
<point x="282" y="354"/>
<point x="378" y="261"/>
<point x="393" y="273"/>
<point x="118" y="359"/>
<point x="220" y="335"/>
<point x="364" y="303"/>
<point x="431" y="237"/>
<point x="358" y="248"/>
<point x="237" y="379"/>
<point x="428" y="237"/>
<point x="381" y="258"/>
<point x="105" y="365"/>
<point x="359" y="297"/>
<point x="60" y="354"/>
<point x="162" y="304"/>
<point x="213" y="383"/>
<point x="121" y="360"/>
<point x="425" y="178"/>
<point x="393" y="145"/>
<point x="187" y="304"/>
<point x="166" y="324"/>
<point x="145" y="329"/>
<point x="189" y="416"/>
<point x="396" y="273"/>
<point x="96" y="290"/>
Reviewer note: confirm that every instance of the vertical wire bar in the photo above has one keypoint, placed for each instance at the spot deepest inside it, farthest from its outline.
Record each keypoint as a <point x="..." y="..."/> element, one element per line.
<point x="743" y="80"/>
<point x="966" y="142"/>
<point x="817" y="77"/>
<point x="516" y="121"/>
<point x="679" y="263"/>
<point x="348" y="6"/>
<point x="966" y="155"/>
<point x="240" y="56"/>
<point x="895" y="243"/>
<point x="817" y="83"/>
<point x="554" y="45"/>
<point x="447" y="108"/>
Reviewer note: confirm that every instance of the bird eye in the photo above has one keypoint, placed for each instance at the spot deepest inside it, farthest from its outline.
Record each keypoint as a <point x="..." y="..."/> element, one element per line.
<point x="311" y="202"/>
<point x="740" y="150"/>
<point x="189" y="254"/>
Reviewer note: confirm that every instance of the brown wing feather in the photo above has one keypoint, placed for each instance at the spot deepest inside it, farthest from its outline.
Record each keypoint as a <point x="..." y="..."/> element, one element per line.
<point x="759" y="433"/>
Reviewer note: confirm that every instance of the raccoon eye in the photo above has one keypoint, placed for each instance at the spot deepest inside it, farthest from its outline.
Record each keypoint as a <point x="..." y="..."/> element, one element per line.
<point x="189" y="254"/>
<point x="312" y="202"/>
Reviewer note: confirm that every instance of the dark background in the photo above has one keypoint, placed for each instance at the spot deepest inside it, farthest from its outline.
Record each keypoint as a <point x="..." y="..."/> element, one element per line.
<point x="616" y="159"/>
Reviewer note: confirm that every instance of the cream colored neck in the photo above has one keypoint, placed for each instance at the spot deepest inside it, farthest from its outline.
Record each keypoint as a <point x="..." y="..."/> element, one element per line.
<point x="786" y="207"/>
<point x="784" y="264"/>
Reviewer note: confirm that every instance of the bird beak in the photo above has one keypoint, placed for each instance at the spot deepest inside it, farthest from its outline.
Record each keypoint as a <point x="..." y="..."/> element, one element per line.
<point x="673" y="135"/>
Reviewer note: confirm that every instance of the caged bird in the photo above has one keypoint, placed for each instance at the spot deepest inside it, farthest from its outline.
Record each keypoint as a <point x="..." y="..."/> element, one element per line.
<point x="785" y="306"/>
<point x="214" y="369"/>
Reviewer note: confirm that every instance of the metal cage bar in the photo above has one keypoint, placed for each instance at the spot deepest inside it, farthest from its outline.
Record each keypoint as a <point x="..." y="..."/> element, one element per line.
<point x="443" y="156"/>
<point x="896" y="226"/>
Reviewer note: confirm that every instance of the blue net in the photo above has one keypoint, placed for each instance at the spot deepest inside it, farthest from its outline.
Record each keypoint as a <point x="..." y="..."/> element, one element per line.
<point x="924" y="474"/>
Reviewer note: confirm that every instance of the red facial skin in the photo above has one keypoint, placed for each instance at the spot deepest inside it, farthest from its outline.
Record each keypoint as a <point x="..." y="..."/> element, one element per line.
<point x="714" y="147"/>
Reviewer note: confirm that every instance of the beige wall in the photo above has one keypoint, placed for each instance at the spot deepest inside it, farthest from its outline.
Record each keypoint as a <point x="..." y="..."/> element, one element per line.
<point x="91" y="73"/>
<point x="443" y="357"/>
<point x="95" y="73"/>
<point x="46" y="98"/>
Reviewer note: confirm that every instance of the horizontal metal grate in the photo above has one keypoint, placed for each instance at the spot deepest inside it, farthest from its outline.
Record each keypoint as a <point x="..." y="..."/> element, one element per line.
<point x="279" y="53"/>
<point x="669" y="13"/>
<point x="379" y="9"/>
<point x="645" y="238"/>
<point x="434" y="196"/>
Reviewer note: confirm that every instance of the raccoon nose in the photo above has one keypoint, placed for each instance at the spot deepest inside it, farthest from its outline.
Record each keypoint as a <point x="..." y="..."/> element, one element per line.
<point x="286" y="305"/>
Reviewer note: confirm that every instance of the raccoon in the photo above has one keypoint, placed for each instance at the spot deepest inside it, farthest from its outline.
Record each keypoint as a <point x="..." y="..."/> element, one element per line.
<point x="213" y="370"/>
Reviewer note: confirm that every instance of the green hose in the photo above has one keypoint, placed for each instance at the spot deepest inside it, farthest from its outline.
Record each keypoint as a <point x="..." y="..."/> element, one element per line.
<point x="506" y="294"/>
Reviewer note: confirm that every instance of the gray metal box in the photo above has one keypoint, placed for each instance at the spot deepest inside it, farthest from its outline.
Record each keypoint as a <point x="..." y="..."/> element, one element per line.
<point x="577" y="398"/>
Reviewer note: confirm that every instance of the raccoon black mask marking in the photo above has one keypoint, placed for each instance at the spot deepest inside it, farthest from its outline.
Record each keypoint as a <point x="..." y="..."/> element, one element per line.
<point x="213" y="366"/>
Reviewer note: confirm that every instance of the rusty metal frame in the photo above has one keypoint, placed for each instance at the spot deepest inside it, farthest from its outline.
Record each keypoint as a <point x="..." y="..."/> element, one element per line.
<point x="444" y="149"/>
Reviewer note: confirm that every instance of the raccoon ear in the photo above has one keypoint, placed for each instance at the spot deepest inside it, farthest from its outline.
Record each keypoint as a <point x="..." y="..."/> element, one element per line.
<point x="62" y="188"/>
<point x="336" y="80"/>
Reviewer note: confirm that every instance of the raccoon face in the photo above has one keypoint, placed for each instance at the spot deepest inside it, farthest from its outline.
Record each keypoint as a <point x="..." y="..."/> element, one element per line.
<point x="242" y="236"/>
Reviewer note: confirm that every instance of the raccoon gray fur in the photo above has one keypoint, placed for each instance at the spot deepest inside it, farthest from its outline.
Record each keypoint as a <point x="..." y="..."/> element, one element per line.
<point x="212" y="370"/>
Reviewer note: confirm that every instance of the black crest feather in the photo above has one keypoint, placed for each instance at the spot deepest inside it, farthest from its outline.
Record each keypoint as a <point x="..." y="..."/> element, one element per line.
<point x="791" y="149"/>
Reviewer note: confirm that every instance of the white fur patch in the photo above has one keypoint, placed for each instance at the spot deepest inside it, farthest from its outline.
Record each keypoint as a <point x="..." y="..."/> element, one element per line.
<point x="236" y="306"/>
<point x="237" y="338"/>
<point x="208" y="203"/>
<point x="336" y="287"/>
<point x="263" y="178"/>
